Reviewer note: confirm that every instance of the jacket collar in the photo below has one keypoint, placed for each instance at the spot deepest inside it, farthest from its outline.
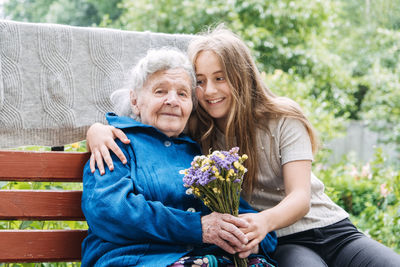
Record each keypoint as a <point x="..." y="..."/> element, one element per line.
<point x="122" y="122"/>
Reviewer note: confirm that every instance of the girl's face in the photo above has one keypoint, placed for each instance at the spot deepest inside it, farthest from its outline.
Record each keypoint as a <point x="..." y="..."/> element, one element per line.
<point x="213" y="91"/>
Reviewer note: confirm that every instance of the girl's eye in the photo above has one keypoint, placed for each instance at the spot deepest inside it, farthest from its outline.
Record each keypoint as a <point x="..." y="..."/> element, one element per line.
<point x="220" y="78"/>
<point x="199" y="82"/>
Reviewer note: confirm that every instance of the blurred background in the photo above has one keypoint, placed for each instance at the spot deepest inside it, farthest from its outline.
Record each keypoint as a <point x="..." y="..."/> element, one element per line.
<point x="338" y="59"/>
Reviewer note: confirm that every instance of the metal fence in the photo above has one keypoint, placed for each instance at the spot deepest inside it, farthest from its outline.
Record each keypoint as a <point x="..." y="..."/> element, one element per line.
<point x="362" y="142"/>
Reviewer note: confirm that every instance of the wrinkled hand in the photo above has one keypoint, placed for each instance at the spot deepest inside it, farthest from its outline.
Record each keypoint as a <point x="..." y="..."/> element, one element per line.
<point x="255" y="232"/>
<point x="223" y="231"/>
<point x="100" y="138"/>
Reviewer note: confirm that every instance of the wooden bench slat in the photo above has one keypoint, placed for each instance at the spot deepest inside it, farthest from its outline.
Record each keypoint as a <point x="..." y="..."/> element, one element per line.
<point x="40" y="205"/>
<point x="42" y="166"/>
<point x="41" y="246"/>
<point x="62" y="205"/>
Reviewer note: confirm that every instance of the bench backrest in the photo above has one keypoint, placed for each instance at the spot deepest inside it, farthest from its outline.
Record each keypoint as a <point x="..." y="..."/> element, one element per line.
<point x="56" y="80"/>
<point x="41" y="205"/>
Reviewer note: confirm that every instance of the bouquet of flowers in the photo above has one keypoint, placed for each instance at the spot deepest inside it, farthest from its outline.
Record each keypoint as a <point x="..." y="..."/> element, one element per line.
<point x="217" y="180"/>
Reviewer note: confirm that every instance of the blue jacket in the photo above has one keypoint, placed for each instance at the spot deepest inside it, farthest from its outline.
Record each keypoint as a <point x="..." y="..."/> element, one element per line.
<point x="140" y="214"/>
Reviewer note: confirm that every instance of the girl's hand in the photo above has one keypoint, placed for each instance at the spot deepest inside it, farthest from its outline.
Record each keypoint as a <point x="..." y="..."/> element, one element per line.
<point x="255" y="232"/>
<point x="223" y="231"/>
<point x="99" y="140"/>
<point x="246" y="253"/>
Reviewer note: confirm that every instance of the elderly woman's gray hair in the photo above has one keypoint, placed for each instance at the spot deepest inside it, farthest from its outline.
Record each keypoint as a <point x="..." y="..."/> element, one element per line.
<point x="155" y="60"/>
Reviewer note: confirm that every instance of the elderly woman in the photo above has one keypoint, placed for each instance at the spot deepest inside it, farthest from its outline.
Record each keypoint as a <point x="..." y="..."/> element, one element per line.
<point x="139" y="214"/>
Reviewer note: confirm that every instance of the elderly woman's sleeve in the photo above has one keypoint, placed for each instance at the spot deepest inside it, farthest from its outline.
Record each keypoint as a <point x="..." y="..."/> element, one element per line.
<point x="116" y="214"/>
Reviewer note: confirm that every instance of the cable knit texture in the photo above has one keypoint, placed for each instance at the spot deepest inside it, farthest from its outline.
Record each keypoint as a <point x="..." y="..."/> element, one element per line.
<point x="55" y="80"/>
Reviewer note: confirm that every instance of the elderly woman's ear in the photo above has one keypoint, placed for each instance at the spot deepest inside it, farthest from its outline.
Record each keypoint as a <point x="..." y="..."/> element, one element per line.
<point x="135" y="109"/>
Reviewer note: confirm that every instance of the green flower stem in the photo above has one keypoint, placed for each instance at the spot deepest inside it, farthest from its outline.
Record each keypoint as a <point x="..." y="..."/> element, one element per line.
<point x="239" y="262"/>
<point x="214" y="202"/>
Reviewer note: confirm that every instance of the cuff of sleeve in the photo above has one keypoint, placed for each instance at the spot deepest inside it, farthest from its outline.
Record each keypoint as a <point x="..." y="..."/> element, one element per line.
<point x="192" y="232"/>
<point x="268" y="245"/>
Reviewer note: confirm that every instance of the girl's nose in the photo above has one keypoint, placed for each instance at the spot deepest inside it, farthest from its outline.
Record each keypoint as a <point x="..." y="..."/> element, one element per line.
<point x="209" y="88"/>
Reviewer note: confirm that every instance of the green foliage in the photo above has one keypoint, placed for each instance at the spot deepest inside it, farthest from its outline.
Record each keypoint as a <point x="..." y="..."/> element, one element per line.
<point x="381" y="108"/>
<point x="381" y="13"/>
<point x="74" y="147"/>
<point x="72" y="12"/>
<point x="317" y="111"/>
<point x="277" y="31"/>
<point x="369" y="45"/>
<point x="27" y="10"/>
<point x="369" y="192"/>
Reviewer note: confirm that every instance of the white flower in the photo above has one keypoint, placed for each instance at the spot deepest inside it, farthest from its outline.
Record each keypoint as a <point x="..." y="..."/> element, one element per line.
<point x="189" y="191"/>
<point x="191" y="210"/>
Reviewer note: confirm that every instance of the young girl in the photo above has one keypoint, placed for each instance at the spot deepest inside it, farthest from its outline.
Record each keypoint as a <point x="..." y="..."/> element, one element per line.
<point x="236" y="109"/>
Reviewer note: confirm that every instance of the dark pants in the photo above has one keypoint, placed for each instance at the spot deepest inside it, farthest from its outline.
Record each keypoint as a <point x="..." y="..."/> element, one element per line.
<point x="339" y="244"/>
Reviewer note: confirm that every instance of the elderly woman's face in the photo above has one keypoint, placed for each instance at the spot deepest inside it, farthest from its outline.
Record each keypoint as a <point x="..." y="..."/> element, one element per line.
<point x="165" y="101"/>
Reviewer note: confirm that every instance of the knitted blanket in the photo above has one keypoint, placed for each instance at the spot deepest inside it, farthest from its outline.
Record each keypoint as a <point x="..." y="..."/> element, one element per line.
<point x="55" y="80"/>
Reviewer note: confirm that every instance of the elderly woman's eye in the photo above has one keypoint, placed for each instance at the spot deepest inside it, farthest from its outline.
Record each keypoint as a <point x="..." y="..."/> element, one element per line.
<point x="183" y="93"/>
<point x="158" y="91"/>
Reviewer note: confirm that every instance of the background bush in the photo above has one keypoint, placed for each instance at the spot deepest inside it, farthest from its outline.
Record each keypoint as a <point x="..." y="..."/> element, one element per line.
<point x="370" y="192"/>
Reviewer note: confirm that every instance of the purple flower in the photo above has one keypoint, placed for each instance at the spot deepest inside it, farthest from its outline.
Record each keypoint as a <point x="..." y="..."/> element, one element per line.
<point x="216" y="179"/>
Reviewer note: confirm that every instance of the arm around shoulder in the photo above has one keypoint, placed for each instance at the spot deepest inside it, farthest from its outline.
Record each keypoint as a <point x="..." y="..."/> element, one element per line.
<point x="100" y="139"/>
<point x="117" y="213"/>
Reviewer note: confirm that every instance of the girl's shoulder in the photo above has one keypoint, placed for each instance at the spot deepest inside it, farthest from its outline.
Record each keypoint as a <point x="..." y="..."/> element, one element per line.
<point x="283" y="124"/>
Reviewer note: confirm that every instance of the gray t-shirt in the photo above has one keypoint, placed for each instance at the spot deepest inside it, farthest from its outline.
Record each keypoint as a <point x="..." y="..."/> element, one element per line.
<point x="289" y="142"/>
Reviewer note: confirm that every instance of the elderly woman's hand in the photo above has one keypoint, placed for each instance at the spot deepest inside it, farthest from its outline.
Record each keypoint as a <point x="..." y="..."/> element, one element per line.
<point x="100" y="138"/>
<point x="223" y="231"/>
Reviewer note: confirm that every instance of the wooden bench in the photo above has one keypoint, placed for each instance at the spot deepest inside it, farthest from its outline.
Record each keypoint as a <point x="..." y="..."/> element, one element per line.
<point x="41" y="205"/>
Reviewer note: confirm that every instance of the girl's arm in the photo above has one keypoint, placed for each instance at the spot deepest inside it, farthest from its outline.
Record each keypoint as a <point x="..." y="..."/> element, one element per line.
<point x="99" y="140"/>
<point x="296" y="204"/>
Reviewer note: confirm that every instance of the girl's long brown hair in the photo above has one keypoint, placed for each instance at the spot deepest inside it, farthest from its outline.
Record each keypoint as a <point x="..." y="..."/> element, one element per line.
<point x="253" y="103"/>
